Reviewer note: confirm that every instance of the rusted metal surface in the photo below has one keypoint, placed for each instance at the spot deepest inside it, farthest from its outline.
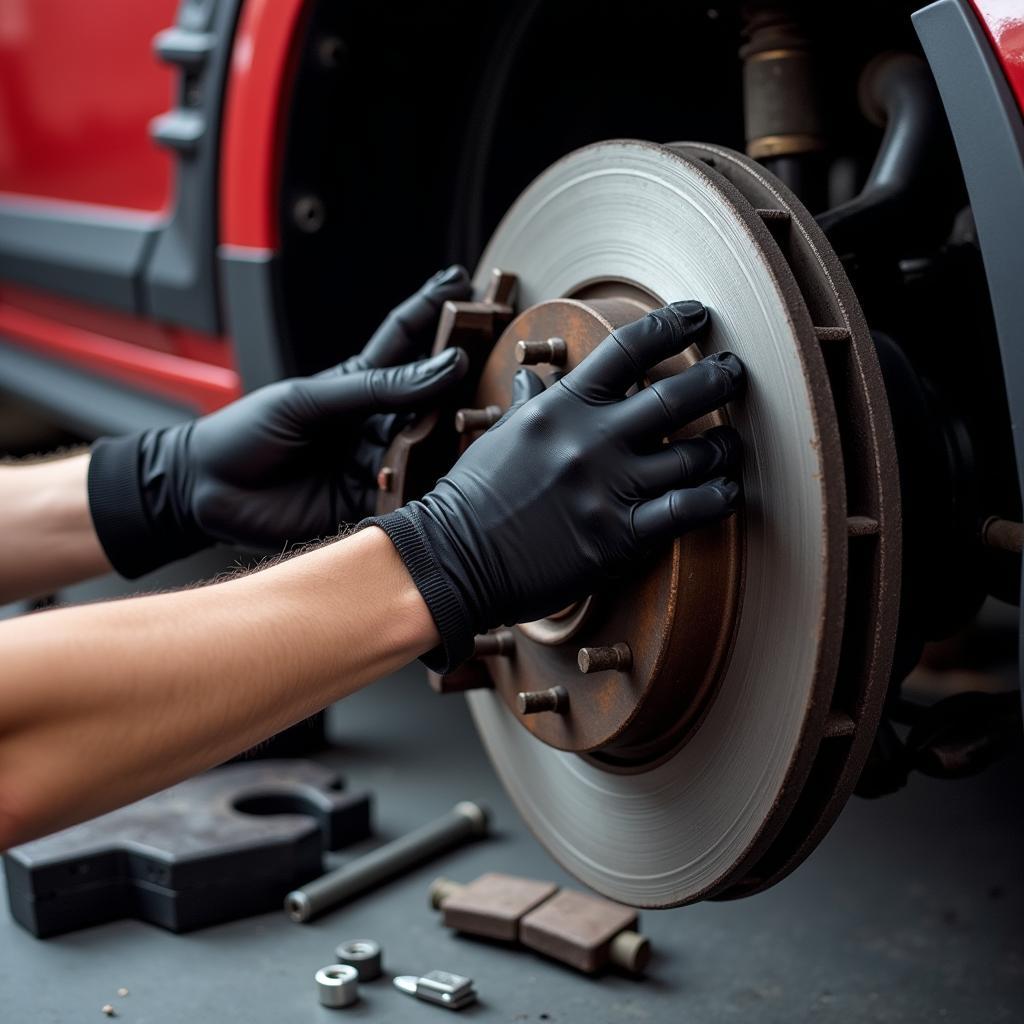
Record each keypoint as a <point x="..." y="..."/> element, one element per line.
<point x="780" y="101"/>
<point x="616" y="658"/>
<point x="554" y="700"/>
<point x="468" y="421"/>
<point x="501" y="642"/>
<point x="1003" y="534"/>
<point x="552" y="351"/>
<point x="675" y="615"/>
<point x="831" y="760"/>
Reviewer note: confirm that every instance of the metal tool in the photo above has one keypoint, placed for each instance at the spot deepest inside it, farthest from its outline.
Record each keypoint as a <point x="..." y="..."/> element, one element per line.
<point x="441" y="987"/>
<point x="228" y="843"/>
<point x="337" y="985"/>
<point x="465" y="821"/>
<point x="362" y="954"/>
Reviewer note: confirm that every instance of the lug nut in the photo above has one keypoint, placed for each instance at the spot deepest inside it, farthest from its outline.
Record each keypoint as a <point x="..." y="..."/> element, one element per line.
<point x="601" y="659"/>
<point x="490" y="645"/>
<point x="552" y="351"/>
<point x="556" y="699"/>
<point x="385" y="478"/>
<point x="469" y="420"/>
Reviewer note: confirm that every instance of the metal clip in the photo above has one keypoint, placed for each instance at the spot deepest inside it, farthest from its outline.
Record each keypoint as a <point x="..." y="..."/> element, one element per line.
<point x="441" y="987"/>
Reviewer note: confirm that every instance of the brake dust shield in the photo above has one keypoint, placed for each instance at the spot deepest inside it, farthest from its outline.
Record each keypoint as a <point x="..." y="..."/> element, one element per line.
<point x="713" y="761"/>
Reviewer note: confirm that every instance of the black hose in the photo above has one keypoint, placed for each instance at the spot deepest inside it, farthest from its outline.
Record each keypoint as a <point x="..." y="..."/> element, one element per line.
<point x="897" y="91"/>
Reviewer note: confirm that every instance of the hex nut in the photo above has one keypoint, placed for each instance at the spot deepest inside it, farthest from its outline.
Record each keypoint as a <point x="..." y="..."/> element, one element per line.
<point x="337" y="985"/>
<point x="362" y="954"/>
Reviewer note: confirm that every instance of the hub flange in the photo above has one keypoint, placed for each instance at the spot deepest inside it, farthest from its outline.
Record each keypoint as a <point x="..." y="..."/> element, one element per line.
<point x="675" y="614"/>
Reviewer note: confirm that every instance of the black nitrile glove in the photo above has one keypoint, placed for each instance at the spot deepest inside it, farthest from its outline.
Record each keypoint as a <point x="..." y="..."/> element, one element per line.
<point x="572" y="485"/>
<point x="289" y="462"/>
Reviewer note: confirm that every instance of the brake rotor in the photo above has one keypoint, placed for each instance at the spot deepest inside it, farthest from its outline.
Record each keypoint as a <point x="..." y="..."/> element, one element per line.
<point x="742" y="675"/>
<point x="778" y="747"/>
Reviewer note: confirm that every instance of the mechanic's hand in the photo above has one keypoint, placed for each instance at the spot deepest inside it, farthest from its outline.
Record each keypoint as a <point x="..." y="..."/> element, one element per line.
<point x="289" y="462"/>
<point x="573" y="484"/>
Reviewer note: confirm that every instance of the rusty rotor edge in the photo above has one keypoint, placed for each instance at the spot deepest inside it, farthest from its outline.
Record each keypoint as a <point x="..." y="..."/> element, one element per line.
<point x="852" y="719"/>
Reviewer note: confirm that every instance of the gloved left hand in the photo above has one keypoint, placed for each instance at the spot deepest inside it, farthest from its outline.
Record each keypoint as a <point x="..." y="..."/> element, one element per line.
<point x="290" y="462"/>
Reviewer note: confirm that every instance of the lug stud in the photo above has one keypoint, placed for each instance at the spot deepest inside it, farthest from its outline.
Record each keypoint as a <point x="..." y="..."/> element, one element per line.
<point x="469" y="420"/>
<point x="490" y="645"/>
<point x="552" y="351"/>
<point x="472" y="675"/>
<point x="556" y="699"/>
<point x="601" y="659"/>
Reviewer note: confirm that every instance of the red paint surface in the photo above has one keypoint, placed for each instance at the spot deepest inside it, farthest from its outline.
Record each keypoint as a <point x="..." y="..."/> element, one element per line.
<point x="1004" y="23"/>
<point x="79" y="84"/>
<point x="185" y="366"/>
<point x="259" y="85"/>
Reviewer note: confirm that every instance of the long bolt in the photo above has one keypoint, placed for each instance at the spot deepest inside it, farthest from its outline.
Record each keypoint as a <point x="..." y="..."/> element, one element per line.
<point x="556" y="699"/>
<point x="601" y="659"/>
<point x="468" y="420"/>
<point x="551" y="350"/>
<point x="490" y="645"/>
<point x="463" y="822"/>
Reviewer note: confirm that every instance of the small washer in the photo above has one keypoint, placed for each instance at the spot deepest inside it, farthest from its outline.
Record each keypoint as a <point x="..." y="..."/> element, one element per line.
<point x="363" y="955"/>
<point x="337" y="985"/>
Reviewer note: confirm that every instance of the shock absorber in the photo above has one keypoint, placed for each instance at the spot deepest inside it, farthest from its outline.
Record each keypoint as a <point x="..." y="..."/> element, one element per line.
<point x="783" y="119"/>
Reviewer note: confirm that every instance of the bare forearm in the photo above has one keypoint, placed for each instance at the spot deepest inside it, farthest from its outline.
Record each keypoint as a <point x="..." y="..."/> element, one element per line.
<point x="47" y="538"/>
<point x="103" y="704"/>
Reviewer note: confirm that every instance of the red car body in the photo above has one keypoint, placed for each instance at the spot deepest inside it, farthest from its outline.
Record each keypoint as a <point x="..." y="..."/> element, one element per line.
<point x="85" y="99"/>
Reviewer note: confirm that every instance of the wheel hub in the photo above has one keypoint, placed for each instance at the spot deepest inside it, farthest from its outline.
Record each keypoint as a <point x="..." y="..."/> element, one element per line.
<point x="674" y="616"/>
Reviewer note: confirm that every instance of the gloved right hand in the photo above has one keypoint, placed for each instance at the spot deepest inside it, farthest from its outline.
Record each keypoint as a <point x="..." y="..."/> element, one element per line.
<point x="572" y="485"/>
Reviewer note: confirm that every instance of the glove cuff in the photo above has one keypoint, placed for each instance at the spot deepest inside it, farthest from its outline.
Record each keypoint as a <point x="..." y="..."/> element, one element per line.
<point x="135" y="538"/>
<point x="445" y="603"/>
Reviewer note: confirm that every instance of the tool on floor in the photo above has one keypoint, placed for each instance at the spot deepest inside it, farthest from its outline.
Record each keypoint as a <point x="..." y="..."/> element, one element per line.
<point x="224" y="845"/>
<point x="465" y="821"/>
<point x="585" y="931"/>
<point x="362" y="954"/>
<point x="337" y="985"/>
<point x="441" y="987"/>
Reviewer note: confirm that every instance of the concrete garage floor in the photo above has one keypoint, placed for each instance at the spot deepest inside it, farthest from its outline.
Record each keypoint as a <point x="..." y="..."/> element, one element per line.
<point x="912" y="910"/>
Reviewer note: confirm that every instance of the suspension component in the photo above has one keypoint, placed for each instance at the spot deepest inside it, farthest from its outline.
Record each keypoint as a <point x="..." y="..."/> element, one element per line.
<point x="780" y="103"/>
